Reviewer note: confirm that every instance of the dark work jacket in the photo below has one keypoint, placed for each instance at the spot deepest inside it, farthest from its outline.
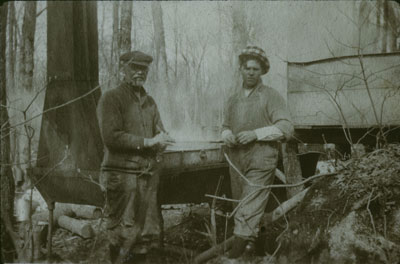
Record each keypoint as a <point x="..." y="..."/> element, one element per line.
<point x="125" y="121"/>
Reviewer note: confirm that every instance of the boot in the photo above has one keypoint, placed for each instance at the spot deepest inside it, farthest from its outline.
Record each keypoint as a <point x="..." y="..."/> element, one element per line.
<point x="114" y="252"/>
<point x="238" y="247"/>
<point x="249" y="250"/>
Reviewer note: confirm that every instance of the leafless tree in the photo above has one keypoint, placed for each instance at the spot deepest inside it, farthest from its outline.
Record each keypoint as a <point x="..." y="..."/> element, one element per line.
<point x="240" y="34"/>
<point x="126" y="26"/>
<point x="159" y="40"/>
<point x="26" y="53"/>
<point x="114" y="58"/>
<point x="7" y="182"/>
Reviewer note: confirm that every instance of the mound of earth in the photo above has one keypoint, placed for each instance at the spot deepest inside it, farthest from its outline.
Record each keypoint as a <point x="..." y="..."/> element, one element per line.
<point x="352" y="217"/>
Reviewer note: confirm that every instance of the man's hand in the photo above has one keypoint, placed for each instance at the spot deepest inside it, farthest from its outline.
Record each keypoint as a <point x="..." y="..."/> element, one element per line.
<point x="229" y="138"/>
<point x="246" y="137"/>
<point x="162" y="139"/>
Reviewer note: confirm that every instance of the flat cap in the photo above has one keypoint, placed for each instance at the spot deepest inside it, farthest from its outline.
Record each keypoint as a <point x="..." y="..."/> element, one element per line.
<point x="136" y="57"/>
<point x="257" y="53"/>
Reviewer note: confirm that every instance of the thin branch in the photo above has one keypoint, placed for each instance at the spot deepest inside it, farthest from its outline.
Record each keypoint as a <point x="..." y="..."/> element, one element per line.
<point x="34" y="98"/>
<point x="221" y="198"/>
<point x="59" y="106"/>
<point x="369" y="212"/>
<point x="40" y="12"/>
<point x="341" y="43"/>
<point x="22" y="163"/>
<point x="238" y="171"/>
<point x="338" y="58"/>
<point x="282" y="185"/>
<point x="360" y="58"/>
<point x="10" y="107"/>
<point x="53" y="168"/>
<point x="351" y="19"/>
<point x="366" y="134"/>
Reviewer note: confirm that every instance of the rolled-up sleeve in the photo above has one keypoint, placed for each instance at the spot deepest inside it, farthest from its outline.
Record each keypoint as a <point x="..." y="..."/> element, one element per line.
<point x="111" y="126"/>
<point x="226" y="125"/>
<point x="279" y="114"/>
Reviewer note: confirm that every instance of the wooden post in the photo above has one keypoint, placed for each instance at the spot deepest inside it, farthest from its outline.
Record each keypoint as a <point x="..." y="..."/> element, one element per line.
<point x="51" y="206"/>
<point x="291" y="165"/>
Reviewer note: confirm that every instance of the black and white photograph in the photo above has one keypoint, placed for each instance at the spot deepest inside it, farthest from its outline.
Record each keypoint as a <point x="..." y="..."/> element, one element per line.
<point x="204" y="132"/>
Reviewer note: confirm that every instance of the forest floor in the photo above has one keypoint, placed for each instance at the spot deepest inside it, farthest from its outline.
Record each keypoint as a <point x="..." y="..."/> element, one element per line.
<point x="351" y="217"/>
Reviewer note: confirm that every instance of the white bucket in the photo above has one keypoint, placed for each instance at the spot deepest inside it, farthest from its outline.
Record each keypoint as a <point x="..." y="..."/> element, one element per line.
<point x="23" y="208"/>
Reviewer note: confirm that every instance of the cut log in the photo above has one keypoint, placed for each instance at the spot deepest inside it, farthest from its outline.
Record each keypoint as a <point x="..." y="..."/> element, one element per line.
<point x="71" y="210"/>
<point x="76" y="226"/>
<point x="60" y="209"/>
<point x="212" y="252"/>
<point x="267" y="218"/>
<point x="86" y="211"/>
<point x="284" y="208"/>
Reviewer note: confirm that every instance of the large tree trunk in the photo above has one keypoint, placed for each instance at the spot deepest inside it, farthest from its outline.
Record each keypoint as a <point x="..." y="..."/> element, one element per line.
<point x="25" y="82"/>
<point x="27" y="46"/>
<point x="126" y="26"/>
<point x="159" y="39"/>
<point x="12" y="40"/>
<point x="240" y="37"/>
<point x="114" y="61"/>
<point x="7" y="183"/>
<point x="394" y="27"/>
<point x="161" y="62"/>
<point x="12" y="50"/>
<point x="385" y="25"/>
<point x="378" y="24"/>
<point x="73" y="80"/>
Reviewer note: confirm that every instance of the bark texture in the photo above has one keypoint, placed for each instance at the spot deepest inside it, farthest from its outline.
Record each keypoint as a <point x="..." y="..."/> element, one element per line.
<point x="7" y="183"/>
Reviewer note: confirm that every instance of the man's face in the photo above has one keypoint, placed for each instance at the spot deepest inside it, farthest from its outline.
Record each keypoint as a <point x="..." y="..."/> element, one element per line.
<point x="135" y="74"/>
<point x="251" y="73"/>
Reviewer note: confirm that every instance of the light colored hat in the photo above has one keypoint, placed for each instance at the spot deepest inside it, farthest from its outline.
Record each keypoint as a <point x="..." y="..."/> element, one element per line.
<point x="257" y="53"/>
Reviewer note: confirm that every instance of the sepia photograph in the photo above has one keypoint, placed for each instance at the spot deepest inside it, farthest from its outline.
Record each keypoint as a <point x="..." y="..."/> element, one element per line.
<point x="201" y="132"/>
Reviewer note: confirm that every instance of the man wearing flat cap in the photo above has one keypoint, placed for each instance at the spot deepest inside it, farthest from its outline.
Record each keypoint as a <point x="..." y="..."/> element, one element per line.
<point x="255" y="119"/>
<point x="133" y="136"/>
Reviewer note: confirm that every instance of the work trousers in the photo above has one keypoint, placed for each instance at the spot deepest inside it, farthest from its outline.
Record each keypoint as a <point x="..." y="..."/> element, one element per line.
<point x="133" y="209"/>
<point x="257" y="163"/>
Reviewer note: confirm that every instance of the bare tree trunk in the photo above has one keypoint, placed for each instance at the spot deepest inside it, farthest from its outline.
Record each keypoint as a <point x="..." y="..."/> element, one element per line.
<point x="239" y="36"/>
<point x="394" y="27"/>
<point x="378" y="24"/>
<point x="385" y="25"/>
<point x="12" y="38"/>
<point x="27" y="45"/>
<point x="176" y="41"/>
<point x="25" y="79"/>
<point x="114" y="61"/>
<point x="161" y="57"/>
<point x="126" y="26"/>
<point x="7" y="184"/>
<point x="72" y="73"/>
<point x="12" y="49"/>
<point x="159" y="38"/>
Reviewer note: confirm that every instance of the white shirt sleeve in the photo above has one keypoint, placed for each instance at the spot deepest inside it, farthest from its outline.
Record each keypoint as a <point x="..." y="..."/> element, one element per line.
<point x="268" y="133"/>
<point x="226" y="132"/>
